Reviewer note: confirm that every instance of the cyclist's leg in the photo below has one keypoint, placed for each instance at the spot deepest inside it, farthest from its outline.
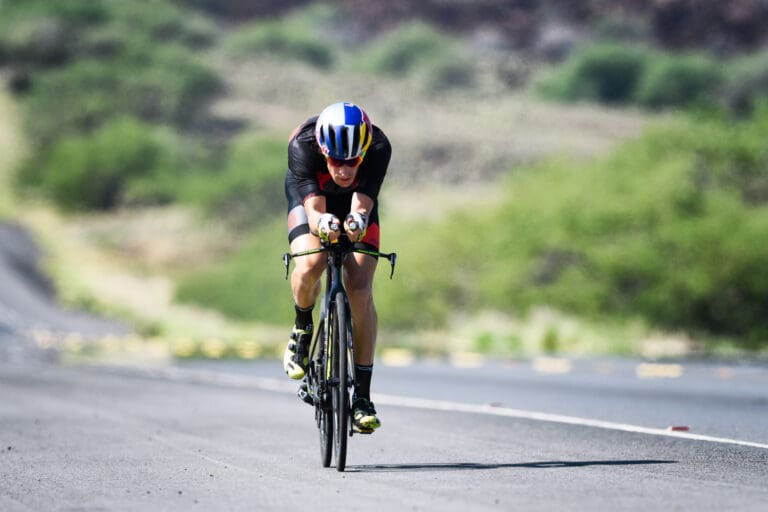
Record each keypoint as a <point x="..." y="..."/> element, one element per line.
<point x="305" y="284"/>
<point x="305" y="278"/>
<point x="359" y="270"/>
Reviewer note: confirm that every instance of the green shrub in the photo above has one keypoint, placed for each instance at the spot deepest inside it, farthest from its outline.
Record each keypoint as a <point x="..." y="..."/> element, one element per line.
<point x="169" y="88"/>
<point x="680" y="81"/>
<point x="429" y="282"/>
<point x="161" y="23"/>
<point x="96" y="171"/>
<point x="448" y="71"/>
<point x="84" y="63"/>
<point x="295" y="37"/>
<point x="747" y="84"/>
<point x="249" y="285"/>
<point x="250" y="186"/>
<point x="605" y="72"/>
<point x="668" y="228"/>
<point x="418" y="47"/>
<point x="41" y="33"/>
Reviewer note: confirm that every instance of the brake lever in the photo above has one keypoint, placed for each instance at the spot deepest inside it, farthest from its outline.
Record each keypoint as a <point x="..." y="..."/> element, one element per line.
<point x="287" y="263"/>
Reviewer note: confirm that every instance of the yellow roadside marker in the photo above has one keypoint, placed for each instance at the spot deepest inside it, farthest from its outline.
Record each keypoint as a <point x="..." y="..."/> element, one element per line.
<point x="248" y="349"/>
<point x="397" y="357"/>
<point x="214" y="348"/>
<point x="658" y="371"/>
<point x="467" y="359"/>
<point x="552" y="365"/>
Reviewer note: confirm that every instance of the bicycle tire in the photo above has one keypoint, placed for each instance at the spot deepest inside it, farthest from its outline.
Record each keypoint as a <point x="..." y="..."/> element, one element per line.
<point x="340" y="397"/>
<point x="323" y="413"/>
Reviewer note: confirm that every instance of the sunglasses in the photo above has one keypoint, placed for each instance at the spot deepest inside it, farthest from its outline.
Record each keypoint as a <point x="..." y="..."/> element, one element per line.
<point x="350" y="162"/>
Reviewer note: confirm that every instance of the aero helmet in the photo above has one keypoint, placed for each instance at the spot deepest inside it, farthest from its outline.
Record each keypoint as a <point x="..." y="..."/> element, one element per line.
<point x="343" y="131"/>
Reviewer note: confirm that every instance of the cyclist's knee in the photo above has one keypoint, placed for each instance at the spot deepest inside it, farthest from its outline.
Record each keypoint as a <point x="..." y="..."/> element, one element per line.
<point x="310" y="268"/>
<point x="360" y="292"/>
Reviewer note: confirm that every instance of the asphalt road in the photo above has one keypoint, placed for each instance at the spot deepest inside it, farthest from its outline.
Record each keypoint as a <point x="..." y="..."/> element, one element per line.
<point x="225" y="438"/>
<point x="530" y="435"/>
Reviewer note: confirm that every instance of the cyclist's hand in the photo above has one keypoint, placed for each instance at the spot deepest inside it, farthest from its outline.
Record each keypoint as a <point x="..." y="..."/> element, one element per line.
<point x="355" y="226"/>
<point x="328" y="228"/>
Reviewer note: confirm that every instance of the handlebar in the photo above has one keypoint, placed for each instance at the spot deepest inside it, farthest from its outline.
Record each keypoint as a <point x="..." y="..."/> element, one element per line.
<point x="345" y="249"/>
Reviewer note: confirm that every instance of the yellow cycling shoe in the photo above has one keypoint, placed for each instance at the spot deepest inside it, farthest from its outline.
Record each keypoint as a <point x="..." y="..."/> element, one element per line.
<point x="364" y="415"/>
<point x="296" y="356"/>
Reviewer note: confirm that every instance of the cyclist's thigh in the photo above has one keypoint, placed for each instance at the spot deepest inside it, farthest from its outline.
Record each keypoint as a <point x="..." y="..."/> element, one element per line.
<point x="298" y="224"/>
<point x="359" y="269"/>
<point x="300" y="239"/>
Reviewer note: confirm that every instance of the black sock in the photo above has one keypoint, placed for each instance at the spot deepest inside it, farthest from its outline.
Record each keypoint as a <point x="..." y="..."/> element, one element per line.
<point x="304" y="318"/>
<point x="363" y="386"/>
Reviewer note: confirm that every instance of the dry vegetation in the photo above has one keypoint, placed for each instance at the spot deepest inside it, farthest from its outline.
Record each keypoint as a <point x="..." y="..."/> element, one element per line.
<point x="454" y="138"/>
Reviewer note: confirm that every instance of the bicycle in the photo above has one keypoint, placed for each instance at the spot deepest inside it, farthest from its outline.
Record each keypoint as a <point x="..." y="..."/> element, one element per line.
<point x="331" y="372"/>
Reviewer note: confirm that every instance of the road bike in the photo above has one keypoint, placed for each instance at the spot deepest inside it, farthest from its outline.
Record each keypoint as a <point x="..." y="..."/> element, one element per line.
<point x="331" y="372"/>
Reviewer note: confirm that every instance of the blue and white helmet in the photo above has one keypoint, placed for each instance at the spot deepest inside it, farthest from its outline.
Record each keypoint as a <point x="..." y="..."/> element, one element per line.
<point x="343" y="131"/>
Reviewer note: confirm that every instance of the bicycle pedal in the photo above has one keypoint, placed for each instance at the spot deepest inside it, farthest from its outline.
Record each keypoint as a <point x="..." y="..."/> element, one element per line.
<point x="305" y="396"/>
<point x="361" y="430"/>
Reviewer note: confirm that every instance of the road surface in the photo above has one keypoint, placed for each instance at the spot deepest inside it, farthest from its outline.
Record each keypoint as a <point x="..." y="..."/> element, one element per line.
<point x="545" y="434"/>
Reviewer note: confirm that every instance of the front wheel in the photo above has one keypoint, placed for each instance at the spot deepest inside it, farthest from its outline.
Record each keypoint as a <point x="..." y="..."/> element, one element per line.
<point x="340" y="390"/>
<point x="323" y="412"/>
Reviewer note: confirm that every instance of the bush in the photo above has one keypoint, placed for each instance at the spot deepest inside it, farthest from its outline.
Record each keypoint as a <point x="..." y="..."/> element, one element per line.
<point x="747" y="84"/>
<point x="680" y="81"/>
<point x="418" y="48"/>
<point x="82" y="96"/>
<point x="291" y="38"/>
<point x="96" y="171"/>
<point x="668" y="228"/>
<point x="250" y="285"/>
<point x="607" y="73"/>
<point x="448" y="72"/>
<point x="249" y="188"/>
<point x="38" y="33"/>
<point x="80" y="64"/>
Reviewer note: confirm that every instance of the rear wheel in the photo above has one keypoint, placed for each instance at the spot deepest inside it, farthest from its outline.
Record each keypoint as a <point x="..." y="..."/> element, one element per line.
<point x="340" y="391"/>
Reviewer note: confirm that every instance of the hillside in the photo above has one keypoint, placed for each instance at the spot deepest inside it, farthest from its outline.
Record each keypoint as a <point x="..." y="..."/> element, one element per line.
<point x="541" y="25"/>
<point x="167" y="157"/>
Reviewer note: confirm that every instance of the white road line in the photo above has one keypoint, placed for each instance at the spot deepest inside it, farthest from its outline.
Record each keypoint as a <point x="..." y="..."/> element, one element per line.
<point x="438" y="405"/>
<point x="267" y="384"/>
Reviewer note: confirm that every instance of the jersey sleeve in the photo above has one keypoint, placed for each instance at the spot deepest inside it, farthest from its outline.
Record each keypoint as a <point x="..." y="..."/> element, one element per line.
<point x="302" y="162"/>
<point x="374" y="167"/>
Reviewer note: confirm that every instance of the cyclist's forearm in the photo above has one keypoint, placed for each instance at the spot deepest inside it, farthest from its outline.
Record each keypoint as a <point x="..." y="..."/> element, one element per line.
<point x="361" y="204"/>
<point x="315" y="207"/>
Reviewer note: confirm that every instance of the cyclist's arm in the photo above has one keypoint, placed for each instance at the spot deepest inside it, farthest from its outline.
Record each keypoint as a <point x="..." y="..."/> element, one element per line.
<point x="315" y="206"/>
<point x="361" y="203"/>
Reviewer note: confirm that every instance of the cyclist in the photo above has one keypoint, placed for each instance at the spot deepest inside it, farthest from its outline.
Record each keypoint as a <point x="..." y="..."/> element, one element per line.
<point x="337" y="162"/>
